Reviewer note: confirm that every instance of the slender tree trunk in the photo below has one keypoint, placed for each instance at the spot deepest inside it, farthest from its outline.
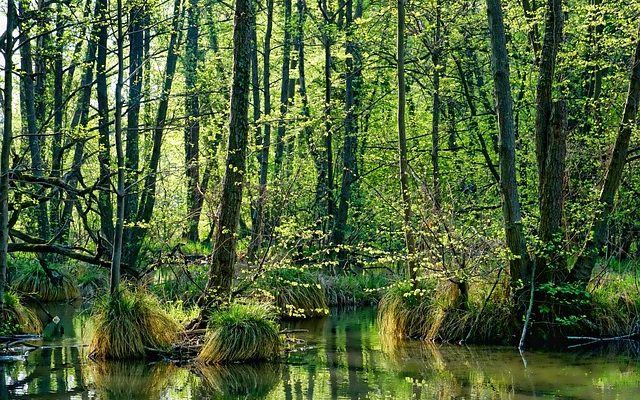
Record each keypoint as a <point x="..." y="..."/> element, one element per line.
<point x="56" y="142"/>
<point x="514" y="235"/>
<point x="284" y="87"/>
<point x="104" y="157"/>
<point x="435" y="111"/>
<point x="5" y="151"/>
<point x="263" y="155"/>
<point x="29" y="102"/>
<point x="328" y="128"/>
<point x="223" y="258"/>
<point x="402" y="144"/>
<point x="120" y="191"/>
<point x="613" y="177"/>
<point x="192" y="131"/>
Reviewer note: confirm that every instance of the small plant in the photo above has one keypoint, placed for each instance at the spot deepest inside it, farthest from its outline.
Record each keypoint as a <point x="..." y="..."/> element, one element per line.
<point x="129" y="323"/>
<point x="51" y="285"/>
<point x="17" y="318"/>
<point x="241" y="332"/>
<point x="297" y="292"/>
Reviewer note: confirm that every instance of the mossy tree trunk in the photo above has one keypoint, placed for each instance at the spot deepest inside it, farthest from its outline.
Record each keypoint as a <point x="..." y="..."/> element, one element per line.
<point x="221" y="267"/>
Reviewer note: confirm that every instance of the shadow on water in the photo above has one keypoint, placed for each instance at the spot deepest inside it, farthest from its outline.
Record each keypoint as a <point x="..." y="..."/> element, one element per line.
<point x="343" y="358"/>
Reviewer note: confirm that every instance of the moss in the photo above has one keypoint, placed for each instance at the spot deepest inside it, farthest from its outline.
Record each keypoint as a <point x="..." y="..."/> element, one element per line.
<point x="17" y="318"/>
<point x="297" y="292"/>
<point x="60" y="286"/>
<point x="129" y="323"/>
<point x="241" y="332"/>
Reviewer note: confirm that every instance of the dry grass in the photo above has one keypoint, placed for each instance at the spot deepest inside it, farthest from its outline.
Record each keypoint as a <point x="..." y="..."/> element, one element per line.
<point x="241" y="332"/>
<point x="128" y="324"/>
<point x="32" y="279"/>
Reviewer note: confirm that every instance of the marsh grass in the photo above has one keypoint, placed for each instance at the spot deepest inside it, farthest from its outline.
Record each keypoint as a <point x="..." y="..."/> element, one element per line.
<point x="297" y="292"/>
<point x="615" y="305"/>
<point x="61" y="286"/>
<point x="130" y="380"/>
<point x="349" y="290"/>
<point x="129" y="323"/>
<point x="432" y="310"/>
<point x="241" y="332"/>
<point x="17" y="318"/>
<point x="239" y="381"/>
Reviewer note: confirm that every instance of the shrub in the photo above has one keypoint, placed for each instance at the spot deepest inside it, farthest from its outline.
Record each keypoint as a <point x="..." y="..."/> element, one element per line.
<point x="241" y="332"/>
<point x="129" y="323"/>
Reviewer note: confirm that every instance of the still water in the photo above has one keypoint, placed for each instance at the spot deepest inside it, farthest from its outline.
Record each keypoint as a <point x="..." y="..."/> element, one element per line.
<point x="345" y="358"/>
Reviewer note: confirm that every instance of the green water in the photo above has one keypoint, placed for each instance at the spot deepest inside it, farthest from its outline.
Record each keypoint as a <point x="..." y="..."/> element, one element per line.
<point x="344" y="359"/>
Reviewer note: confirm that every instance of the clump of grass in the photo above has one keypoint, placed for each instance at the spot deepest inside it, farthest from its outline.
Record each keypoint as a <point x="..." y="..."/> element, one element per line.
<point x="239" y="381"/>
<point x="345" y="290"/>
<point x="297" y="292"/>
<point x="33" y="279"/>
<point x="127" y="380"/>
<point x="17" y="318"/>
<point x="403" y="310"/>
<point x="241" y="332"/>
<point x="129" y="323"/>
<point x="615" y="306"/>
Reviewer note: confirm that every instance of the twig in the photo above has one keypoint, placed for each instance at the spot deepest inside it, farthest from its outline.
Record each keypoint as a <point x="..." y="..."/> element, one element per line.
<point x="529" y="309"/>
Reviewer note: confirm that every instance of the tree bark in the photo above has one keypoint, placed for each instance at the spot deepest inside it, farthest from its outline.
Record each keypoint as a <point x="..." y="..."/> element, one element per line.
<point x="435" y="111"/>
<point x="222" y="263"/>
<point x="284" y="87"/>
<point x="514" y="235"/>
<point x="5" y="151"/>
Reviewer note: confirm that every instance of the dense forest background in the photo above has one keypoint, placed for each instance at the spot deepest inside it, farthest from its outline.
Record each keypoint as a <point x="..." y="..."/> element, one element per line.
<point x="379" y="138"/>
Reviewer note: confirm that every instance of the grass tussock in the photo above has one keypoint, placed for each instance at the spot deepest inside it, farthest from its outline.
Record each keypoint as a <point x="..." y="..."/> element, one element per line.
<point x="59" y="286"/>
<point x="241" y="332"/>
<point x="297" y="292"/>
<point x="17" y="318"/>
<point x="434" y="311"/>
<point x="349" y="290"/>
<point x="127" y="380"/>
<point x="129" y="323"/>
<point x="239" y="381"/>
<point x="615" y="306"/>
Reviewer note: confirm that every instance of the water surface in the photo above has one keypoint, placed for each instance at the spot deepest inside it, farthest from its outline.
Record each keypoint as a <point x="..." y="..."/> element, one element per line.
<point x="344" y="358"/>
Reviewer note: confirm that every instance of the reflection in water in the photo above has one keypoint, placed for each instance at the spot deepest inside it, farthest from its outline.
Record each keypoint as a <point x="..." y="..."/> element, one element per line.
<point x="346" y="359"/>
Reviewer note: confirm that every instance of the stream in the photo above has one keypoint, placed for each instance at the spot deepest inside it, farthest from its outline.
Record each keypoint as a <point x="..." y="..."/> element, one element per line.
<point x="343" y="357"/>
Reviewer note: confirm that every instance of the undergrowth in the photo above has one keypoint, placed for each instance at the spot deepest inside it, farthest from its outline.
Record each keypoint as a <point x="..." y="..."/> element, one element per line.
<point x="17" y="318"/>
<point x="297" y="292"/>
<point x="59" y="286"/>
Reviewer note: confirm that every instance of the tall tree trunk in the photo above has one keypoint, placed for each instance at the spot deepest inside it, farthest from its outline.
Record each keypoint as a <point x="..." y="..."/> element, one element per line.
<point x="263" y="154"/>
<point x="192" y="131"/>
<point x="224" y="252"/>
<point x="328" y="128"/>
<point x="58" y="111"/>
<point x="550" y="145"/>
<point x="116" y="255"/>
<point x="148" y="196"/>
<point x="29" y="102"/>
<point x="402" y="144"/>
<point x="613" y="177"/>
<point x="5" y="152"/>
<point x="349" y="170"/>
<point x="514" y="235"/>
<point x="284" y="87"/>
<point x="435" y="111"/>
<point x="104" y="157"/>
<point x="132" y="149"/>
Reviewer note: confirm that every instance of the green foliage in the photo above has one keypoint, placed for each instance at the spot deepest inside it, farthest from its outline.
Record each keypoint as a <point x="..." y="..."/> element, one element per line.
<point x="363" y="288"/>
<point x="241" y="332"/>
<point x="17" y="318"/>
<point x="129" y="323"/>
<point x="615" y="306"/>
<point x="32" y="278"/>
<point x="297" y="292"/>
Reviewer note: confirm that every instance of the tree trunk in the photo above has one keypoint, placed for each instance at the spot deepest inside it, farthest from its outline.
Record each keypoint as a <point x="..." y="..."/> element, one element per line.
<point x="120" y="191"/>
<point x="514" y="235"/>
<point x="402" y="145"/>
<point x="5" y="152"/>
<point x="284" y="87"/>
<point x="263" y="154"/>
<point x="223" y="258"/>
<point x="192" y="131"/>
<point x="435" y="111"/>
<point x="613" y="177"/>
